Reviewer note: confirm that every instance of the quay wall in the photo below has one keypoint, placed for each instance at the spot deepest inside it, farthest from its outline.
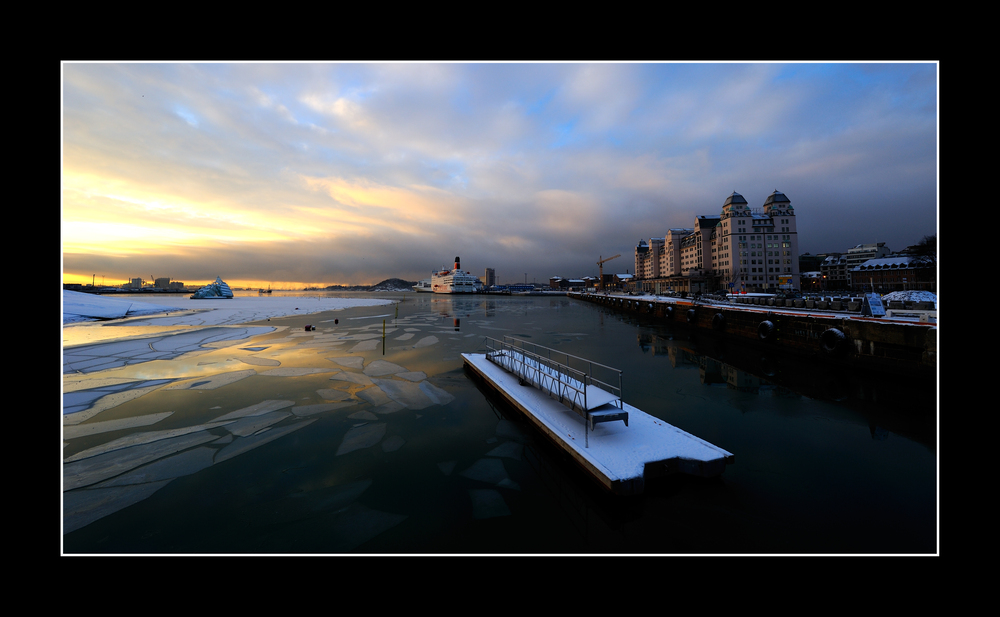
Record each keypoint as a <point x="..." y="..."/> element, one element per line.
<point x="838" y="338"/>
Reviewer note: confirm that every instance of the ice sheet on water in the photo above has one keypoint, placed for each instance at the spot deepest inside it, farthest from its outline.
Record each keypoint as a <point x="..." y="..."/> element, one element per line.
<point x="74" y="431"/>
<point x="103" y="466"/>
<point x="349" y="361"/>
<point x="211" y="382"/>
<point x="311" y="410"/>
<point x="296" y="372"/>
<point x="363" y="336"/>
<point x="333" y="394"/>
<point x="391" y="407"/>
<point x="404" y="337"/>
<point x="412" y="375"/>
<point x="245" y="444"/>
<point x="83" y="507"/>
<point x="375" y="396"/>
<point x="379" y="368"/>
<point x="363" y="415"/>
<point x="79" y="306"/>
<point x="426" y="341"/>
<point x="366" y="346"/>
<point x="509" y="449"/>
<point x="175" y="466"/>
<point x="489" y="470"/>
<point x="488" y="503"/>
<point x="103" y="398"/>
<point x="393" y="443"/>
<point x="101" y="356"/>
<point x="252" y="424"/>
<point x="256" y="409"/>
<point x="360" y="437"/>
<point x="435" y="393"/>
<point x="137" y="439"/>
<point x="255" y="361"/>
<point x="405" y="393"/>
<point x="355" y="378"/>
<point x="447" y="467"/>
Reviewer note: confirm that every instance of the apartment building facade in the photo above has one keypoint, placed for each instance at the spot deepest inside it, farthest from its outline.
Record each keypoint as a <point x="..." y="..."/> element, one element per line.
<point x="741" y="249"/>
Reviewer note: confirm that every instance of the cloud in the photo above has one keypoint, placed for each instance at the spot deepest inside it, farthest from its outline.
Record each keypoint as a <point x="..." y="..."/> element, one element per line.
<point x="356" y="171"/>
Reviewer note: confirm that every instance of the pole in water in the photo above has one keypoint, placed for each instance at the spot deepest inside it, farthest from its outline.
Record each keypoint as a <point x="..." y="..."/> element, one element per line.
<point x="383" y="337"/>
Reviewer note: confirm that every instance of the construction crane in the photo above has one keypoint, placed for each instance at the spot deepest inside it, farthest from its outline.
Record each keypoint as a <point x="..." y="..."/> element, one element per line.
<point x="600" y="265"/>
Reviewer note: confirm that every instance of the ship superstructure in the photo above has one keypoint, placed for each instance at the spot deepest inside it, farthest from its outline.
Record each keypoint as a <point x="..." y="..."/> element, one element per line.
<point x="454" y="281"/>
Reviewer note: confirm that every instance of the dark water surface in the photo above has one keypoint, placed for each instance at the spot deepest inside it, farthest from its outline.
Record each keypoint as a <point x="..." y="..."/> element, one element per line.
<point x="825" y="463"/>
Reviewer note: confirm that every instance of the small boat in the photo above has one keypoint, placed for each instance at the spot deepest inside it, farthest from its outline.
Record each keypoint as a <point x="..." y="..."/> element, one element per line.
<point x="263" y="291"/>
<point x="424" y="286"/>
<point x="213" y="291"/>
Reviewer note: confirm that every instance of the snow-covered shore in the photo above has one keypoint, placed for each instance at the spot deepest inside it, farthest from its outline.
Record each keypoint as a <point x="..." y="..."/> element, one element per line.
<point x="180" y="310"/>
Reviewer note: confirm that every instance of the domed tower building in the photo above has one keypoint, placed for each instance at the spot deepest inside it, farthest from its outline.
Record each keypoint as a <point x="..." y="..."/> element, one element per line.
<point x="757" y="250"/>
<point x="782" y="242"/>
<point x="730" y="258"/>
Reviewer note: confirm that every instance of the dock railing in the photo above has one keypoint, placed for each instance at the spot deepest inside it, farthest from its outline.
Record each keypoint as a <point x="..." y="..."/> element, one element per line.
<point x="553" y="372"/>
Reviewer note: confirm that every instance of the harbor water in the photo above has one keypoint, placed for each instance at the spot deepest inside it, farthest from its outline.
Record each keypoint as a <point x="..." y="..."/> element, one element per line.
<point x="372" y="445"/>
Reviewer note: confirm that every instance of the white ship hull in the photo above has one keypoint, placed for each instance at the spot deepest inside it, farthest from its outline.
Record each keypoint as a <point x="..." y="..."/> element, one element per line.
<point x="455" y="281"/>
<point x="424" y="286"/>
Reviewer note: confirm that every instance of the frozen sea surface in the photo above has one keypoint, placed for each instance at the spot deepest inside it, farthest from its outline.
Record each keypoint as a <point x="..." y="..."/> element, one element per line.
<point x="81" y="307"/>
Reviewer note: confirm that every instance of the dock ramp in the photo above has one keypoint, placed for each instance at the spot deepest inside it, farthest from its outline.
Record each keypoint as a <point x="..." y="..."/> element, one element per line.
<point x="592" y="390"/>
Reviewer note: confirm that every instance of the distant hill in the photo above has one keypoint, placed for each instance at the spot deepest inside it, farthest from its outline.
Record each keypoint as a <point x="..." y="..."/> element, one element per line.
<point x="386" y="285"/>
<point x="394" y="285"/>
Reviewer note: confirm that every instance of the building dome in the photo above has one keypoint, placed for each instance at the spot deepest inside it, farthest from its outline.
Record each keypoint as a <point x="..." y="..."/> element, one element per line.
<point x="735" y="198"/>
<point x="776" y="198"/>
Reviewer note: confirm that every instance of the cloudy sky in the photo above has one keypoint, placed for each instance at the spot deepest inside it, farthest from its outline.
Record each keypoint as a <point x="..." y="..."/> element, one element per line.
<point x="349" y="173"/>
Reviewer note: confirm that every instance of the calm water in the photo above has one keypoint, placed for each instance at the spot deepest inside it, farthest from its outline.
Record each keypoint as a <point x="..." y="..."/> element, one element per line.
<point x="825" y="462"/>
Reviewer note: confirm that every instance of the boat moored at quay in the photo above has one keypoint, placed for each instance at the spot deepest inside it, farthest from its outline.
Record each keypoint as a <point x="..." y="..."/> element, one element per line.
<point x="454" y="281"/>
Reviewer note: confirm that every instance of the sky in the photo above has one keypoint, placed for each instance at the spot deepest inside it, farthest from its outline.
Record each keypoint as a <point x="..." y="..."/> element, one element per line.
<point x="311" y="174"/>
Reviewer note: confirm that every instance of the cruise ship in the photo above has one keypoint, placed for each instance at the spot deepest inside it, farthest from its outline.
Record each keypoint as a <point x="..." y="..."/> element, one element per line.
<point x="454" y="281"/>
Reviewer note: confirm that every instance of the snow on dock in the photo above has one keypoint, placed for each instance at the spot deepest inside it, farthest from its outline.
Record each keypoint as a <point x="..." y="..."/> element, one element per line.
<point x="620" y="455"/>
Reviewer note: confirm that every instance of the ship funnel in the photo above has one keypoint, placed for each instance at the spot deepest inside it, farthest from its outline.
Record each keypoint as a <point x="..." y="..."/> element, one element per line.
<point x="458" y="263"/>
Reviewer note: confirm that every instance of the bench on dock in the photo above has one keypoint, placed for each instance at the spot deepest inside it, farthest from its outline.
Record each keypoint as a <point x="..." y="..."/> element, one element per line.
<point x="594" y="399"/>
<point x="623" y="457"/>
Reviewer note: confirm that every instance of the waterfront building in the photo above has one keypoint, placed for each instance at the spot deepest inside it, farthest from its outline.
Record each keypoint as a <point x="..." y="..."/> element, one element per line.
<point x="862" y="253"/>
<point x="647" y="258"/>
<point x="491" y="277"/>
<point x="893" y="273"/>
<point x="834" y="271"/>
<point x="740" y="249"/>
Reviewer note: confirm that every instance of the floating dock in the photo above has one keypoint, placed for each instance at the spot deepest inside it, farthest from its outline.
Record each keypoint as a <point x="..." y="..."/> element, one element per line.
<point x="619" y="445"/>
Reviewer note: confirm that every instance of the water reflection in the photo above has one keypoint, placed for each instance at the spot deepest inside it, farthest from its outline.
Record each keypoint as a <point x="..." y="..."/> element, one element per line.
<point x="888" y="404"/>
